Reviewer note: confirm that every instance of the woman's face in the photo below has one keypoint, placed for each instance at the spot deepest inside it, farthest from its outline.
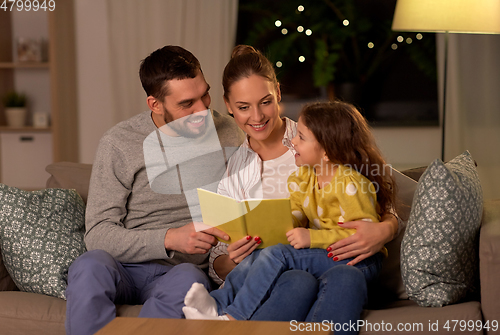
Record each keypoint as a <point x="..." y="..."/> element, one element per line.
<point x="253" y="101"/>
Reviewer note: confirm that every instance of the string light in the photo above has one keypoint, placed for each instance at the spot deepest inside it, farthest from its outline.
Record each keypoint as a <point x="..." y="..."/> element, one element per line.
<point x="345" y="22"/>
<point x="409" y="40"/>
<point x="309" y="32"/>
<point x="302" y="59"/>
<point x="419" y="36"/>
<point x="300" y="29"/>
<point x="300" y="8"/>
<point x="400" y="39"/>
<point x="394" y="46"/>
<point x="277" y="23"/>
<point x="279" y="64"/>
<point x="371" y="45"/>
<point x="284" y="31"/>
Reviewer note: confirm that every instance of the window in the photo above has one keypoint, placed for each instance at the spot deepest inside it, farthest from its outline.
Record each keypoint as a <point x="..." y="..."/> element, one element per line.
<point x="346" y="49"/>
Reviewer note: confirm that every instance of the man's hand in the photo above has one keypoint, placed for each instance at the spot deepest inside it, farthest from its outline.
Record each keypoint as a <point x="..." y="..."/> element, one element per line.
<point x="188" y="240"/>
<point x="299" y="238"/>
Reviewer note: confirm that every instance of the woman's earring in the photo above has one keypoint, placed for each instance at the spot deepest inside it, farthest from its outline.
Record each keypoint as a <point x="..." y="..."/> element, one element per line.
<point x="326" y="158"/>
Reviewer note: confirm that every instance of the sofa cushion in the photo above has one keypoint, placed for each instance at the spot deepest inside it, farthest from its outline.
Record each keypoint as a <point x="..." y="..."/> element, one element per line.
<point x="415" y="173"/>
<point x="489" y="260"/>
<point x="6" y="283"/>
<point x="439" y="252"/>
<point x="41" y="234"/>
<point x="389" y="285"/>
<point x="405" y="317"/>
<point x="70" y="176"/>
<point x="29" y="313"/>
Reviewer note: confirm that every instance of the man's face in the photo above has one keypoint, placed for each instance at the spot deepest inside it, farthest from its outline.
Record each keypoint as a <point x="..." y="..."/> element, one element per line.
<point x="185" y="107"/>
<point x="190" y="126"/>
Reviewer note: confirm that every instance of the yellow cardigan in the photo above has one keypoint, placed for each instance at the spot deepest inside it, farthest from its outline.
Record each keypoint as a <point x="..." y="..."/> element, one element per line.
<point x="350" y="196"/>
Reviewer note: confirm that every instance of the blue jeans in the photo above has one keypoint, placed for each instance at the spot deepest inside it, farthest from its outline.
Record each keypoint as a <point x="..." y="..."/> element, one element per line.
<point x="338" y="296"/>
<point x="96" y="282"/>
<point x="283" y="306"/>
<point x="249" y="285"/>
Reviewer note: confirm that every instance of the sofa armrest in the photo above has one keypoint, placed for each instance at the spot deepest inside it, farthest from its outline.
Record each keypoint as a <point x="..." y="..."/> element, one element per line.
<point x="489" y="260"/>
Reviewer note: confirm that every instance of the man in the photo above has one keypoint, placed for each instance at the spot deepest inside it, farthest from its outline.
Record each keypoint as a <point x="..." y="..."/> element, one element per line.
<point x="143" y="245"/>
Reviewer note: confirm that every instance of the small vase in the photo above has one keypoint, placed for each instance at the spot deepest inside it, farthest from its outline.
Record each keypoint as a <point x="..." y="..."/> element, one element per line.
<point x="16" y="116"/>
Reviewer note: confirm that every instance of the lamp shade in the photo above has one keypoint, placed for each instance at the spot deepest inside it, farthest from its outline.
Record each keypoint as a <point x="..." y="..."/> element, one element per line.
<point x="456" y="16"/>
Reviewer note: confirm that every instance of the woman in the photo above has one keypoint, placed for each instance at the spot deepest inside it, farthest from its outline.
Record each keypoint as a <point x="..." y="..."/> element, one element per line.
<point x="260" y="168"/>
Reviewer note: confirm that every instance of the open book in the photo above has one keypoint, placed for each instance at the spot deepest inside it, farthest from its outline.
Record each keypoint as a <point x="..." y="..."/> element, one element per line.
<point x="269" y="219"/>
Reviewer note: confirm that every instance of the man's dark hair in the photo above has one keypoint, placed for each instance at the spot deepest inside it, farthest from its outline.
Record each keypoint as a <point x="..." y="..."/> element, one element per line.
<point x="167" y="63"/>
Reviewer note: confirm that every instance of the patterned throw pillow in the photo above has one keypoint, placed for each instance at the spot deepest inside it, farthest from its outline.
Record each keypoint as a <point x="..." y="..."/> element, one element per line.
<point x="41" y="234"/>
<point x="439" y="258"/>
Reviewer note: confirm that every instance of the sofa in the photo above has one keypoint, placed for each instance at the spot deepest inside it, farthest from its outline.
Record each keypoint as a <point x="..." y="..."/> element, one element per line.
<point x="389" y="311"/>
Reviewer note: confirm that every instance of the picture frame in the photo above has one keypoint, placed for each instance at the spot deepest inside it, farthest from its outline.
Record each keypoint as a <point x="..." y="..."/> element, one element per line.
<point x="30" y="49"/>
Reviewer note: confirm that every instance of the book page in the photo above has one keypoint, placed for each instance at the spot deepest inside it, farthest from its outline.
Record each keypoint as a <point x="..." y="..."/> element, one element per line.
<point x="224" y="213"/>
<point x="270" y="219"/>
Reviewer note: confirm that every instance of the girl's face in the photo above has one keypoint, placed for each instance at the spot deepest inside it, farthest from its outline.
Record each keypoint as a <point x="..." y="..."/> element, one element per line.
<point x="309" y="151"/>
<point x="253" y="101"/>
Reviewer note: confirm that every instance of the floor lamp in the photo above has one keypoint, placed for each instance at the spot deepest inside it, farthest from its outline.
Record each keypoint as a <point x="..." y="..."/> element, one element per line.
<point x="447" y="16"/>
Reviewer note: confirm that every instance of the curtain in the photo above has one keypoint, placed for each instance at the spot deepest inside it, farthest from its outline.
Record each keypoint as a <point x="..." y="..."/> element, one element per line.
<point x="473" y="103"/>
<point x="137" y="28"/>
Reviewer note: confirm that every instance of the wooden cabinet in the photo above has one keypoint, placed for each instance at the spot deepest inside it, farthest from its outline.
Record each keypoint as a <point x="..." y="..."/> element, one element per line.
<point x="52" y="82"/>
<point x="26" y="170"/>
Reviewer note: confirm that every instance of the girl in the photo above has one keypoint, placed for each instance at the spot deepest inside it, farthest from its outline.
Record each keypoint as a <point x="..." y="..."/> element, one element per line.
<point x="342" y="177"/>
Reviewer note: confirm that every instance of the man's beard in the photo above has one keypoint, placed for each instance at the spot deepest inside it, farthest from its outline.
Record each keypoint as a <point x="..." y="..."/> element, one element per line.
<point x="191" y="126"/>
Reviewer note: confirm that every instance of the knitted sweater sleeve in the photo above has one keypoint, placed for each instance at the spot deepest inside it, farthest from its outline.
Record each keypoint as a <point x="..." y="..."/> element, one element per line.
<point x="110" y="186"/>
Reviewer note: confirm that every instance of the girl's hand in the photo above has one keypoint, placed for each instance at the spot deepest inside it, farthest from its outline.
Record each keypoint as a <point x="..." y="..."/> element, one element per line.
<point x="369" y="239"/>
<point x="299" y="238"/>
<point x="242" y="248"/>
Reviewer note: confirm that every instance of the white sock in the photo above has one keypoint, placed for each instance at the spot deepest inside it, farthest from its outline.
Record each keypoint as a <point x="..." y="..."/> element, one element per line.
<point x="198" y="298"/>
<point x="192" y="313"/>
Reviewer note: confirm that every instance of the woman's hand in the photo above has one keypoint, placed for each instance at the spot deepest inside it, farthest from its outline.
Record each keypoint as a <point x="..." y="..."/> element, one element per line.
<point x="240" y="249"/>
<point x="299" y="238"/>
<point x="369" y="239"/>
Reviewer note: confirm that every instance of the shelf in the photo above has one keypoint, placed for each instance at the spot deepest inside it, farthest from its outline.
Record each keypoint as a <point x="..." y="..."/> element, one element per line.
<point x="52" y="81"/>
<point x="6" y="129"/>
<point x="26" y="65"/>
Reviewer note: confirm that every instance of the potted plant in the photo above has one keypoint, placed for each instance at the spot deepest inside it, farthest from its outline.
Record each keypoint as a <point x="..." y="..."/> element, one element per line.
<point x="15" y="109"/>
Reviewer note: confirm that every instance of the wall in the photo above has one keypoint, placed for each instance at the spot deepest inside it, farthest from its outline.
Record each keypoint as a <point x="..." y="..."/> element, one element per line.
<point x="34" y="82"/>
<point x="133" y="31"/>
<point x="93" y="81"/>
<point x="409" y="147"/>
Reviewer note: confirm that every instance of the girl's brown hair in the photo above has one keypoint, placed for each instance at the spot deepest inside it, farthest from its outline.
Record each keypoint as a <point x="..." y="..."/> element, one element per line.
<point x="246" y="61"/>
<point x="345" y="136"/>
